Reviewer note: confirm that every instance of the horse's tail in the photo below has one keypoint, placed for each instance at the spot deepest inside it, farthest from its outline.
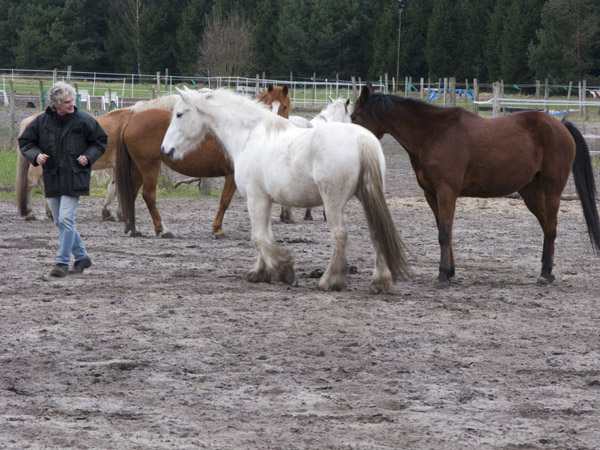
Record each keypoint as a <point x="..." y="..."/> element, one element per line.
<point x="583" y="175"/>
<point x="124" y="180"/>
<point x="381" y="225"/>
<point x="22" y="186"/>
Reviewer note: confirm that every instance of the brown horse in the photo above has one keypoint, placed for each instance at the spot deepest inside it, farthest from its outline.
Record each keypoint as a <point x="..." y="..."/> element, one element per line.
<point x="112" y="123"/>
<point x="139" y="158"/>
<point x="456" y="153"/>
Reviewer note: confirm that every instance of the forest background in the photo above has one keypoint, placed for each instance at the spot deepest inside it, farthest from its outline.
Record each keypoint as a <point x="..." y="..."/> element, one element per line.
<point x="514" y="40"/>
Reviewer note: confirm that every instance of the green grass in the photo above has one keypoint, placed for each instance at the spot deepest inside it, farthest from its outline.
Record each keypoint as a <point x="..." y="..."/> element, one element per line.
<point x="166" y="188"/>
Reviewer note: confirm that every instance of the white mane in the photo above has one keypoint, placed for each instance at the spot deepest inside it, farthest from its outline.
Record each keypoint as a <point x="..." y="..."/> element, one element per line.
<point x="249" y="111"/>
<point x="164" y="102"/>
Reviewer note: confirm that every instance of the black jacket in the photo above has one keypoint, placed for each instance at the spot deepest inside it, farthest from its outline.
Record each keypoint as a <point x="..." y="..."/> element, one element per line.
<point x="64" y="138"/>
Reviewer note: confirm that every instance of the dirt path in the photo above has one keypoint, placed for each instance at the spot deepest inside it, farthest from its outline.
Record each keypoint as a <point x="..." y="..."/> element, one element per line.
<point x="163" y="344"/>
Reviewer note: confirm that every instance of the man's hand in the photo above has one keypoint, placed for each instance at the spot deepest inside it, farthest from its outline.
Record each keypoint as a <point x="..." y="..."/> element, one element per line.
<point x="82" y="160"/>
<point x="42" y="158"/>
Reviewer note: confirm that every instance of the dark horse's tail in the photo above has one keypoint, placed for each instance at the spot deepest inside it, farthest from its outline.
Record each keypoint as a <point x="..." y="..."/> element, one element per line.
<point x="22" y="188"/>
<point x="583" y="175"/>
<point x="124" y="177"/>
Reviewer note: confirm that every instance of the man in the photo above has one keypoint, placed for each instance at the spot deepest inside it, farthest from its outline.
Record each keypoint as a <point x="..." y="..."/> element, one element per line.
<point x="65" y="142"/>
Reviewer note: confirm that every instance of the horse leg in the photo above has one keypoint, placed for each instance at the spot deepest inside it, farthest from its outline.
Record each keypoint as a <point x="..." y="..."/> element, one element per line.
<point x="335" y="277"/>
<point x="433" y="204"/>
<point x="150" y="181"/>
<point x="308" y="214"/>
<point x="273" y="264"/>
<point x="111" y="192"/>
<point x="226" y="196"/>
<point x="446" y="204"/>
<point x="286" y="214"/>
<point x="544" y="207"/>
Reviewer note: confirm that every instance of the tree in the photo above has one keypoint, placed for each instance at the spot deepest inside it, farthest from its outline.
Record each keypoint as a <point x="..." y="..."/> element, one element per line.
<point x="566" y="40"/>
<point x="228" y="47"/>
<point x="124" y="30"/>
<point x="189" y="35"/>
<point x="34" y="49"/>
<point x="333" y="31"/>
<point x="11" y="19"/>
<point x="292" y="38"/>
<point x="86" y="52"/>
<point x="157" y="36"/>
<point x="443" y="37"/>
<point x="522" y="21"/>
<point x="264" y="16"/>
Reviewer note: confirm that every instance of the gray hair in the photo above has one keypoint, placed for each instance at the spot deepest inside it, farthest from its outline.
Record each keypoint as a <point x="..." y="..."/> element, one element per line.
<point x="60" y="90"/>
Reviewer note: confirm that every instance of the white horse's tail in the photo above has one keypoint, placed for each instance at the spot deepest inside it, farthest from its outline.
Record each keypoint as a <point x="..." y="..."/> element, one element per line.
<point x="370" y="192"/>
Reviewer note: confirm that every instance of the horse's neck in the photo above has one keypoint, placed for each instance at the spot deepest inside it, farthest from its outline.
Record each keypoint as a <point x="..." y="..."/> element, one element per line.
<point x="409" y="126"/>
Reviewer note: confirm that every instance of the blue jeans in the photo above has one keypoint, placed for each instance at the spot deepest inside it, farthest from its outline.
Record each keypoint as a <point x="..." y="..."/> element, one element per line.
<point x="63" y="212"/>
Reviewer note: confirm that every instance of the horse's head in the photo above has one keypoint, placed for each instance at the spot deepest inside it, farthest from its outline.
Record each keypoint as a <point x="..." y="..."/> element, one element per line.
<point x="277" y="98"/>
<point x="338" y="110"/>
<point x="364" y="113"/>
<point x="188" y="125"/>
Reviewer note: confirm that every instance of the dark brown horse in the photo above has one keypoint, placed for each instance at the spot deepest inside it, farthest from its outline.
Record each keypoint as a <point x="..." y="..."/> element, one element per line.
<point x="139" y="158"/>
<point x="456" y="153"/>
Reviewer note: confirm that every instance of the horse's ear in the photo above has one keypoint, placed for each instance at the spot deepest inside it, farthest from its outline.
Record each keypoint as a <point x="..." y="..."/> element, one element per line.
<point x="269" y="87"/>
<point x="347" y="103"/>
<point x="285" y="89"/>
<point x="370" y="87"/>
<point x="365" y="92"/>
<point x="331" y="100"/>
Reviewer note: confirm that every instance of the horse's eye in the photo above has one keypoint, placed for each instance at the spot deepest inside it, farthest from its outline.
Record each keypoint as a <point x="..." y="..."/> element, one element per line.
<point x="179" y="115"/>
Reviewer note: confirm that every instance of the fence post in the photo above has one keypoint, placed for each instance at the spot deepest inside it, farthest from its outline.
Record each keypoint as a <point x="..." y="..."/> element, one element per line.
<point x="496" y="102"/>
<point x="475" y="96"/>
<point x="422" y="87"/>
<point x="205" y="186"/>
<point x="546" y="95"/>
<point x="353" y="80"/>
<point x="583" y="89"/>
<point x="42" y="99"/>
<point x="568" y="98"/>
<point x="452" y="92"/>
<point x="11" y="136"/>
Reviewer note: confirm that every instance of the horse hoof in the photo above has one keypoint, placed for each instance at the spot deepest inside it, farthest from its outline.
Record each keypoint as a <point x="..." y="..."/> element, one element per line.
<point x="220" y="235"/>
<point x="30" y="217"/>
<point x="289" y="277"/>
<point x="442" y="284"/>
<point x="133" y="233"/>
<point x="545" y="281"/>
<point x="167" y="235"/>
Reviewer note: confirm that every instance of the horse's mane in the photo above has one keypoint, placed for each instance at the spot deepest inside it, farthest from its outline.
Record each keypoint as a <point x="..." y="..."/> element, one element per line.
<point x="387" y="101"/>
<point x="164" y="102"/>
<point x="253" y="109"/>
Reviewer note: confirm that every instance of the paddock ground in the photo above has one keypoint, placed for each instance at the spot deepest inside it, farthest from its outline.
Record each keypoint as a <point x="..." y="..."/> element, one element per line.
<point x="163" y="344"/>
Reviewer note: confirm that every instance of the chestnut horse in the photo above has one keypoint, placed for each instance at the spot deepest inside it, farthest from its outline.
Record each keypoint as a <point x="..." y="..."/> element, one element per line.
<point x="112" y="123"/>
<point x="139" y="158"/>
<point x="456" y="153"/>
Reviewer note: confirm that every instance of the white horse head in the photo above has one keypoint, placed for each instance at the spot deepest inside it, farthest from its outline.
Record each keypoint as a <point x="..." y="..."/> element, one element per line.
<point x="200" y="112"/>
<point x="188" y="126"/>
<point x="338" y="110"/>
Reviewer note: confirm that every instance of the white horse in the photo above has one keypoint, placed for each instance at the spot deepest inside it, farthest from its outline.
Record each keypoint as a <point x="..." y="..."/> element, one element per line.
<point x="277" y="162"/>
<point x="337" y="110"/>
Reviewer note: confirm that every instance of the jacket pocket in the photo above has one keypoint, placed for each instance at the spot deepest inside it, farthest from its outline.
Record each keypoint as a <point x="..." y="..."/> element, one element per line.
<point x="81" y="178"/>
<point x="51" y="182"/>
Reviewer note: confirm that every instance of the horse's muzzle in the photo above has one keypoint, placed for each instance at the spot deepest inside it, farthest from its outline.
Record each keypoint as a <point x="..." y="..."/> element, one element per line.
<point x="169" y="153"/>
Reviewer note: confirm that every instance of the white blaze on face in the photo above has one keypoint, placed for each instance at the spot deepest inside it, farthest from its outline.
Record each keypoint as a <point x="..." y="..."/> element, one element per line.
<point x="275" y="107"/>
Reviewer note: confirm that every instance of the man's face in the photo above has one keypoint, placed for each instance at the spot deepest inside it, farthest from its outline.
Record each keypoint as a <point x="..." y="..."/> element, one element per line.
<point x="66" y="106"/>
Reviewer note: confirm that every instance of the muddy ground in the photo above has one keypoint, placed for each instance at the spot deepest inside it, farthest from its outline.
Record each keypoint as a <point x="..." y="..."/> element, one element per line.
<point x="163" y="344"/>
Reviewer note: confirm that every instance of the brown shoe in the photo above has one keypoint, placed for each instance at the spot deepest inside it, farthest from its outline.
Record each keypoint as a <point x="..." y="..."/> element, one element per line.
<point x="59" y="270"/>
